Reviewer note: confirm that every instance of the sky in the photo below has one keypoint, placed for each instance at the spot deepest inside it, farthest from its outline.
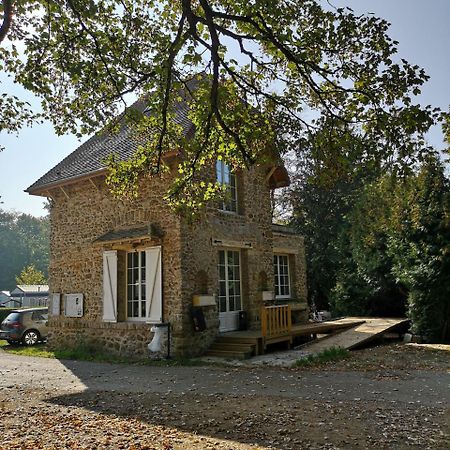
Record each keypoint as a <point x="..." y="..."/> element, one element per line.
<point x="421" y="27"/>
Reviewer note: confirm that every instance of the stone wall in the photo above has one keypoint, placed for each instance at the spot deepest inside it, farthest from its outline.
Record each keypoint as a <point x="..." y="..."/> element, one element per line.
<point x="79" y="215"/>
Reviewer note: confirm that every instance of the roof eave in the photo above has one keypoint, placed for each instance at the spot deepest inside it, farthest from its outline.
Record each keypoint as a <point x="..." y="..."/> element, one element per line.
<point x="44" y="188"/>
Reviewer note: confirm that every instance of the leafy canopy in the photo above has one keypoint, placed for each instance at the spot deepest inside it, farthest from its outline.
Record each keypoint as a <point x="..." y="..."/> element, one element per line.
<point x="271" y="71"/>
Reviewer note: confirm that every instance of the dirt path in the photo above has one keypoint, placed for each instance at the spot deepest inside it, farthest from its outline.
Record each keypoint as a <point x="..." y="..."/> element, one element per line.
<point x="53" y="404"/>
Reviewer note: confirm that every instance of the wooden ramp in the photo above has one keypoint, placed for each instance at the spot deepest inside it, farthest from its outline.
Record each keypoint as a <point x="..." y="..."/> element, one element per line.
<point x="360" y="334"/>
<point x="331" y="326"/>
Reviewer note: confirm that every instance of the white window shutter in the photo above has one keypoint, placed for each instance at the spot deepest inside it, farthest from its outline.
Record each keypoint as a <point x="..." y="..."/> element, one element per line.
<point x="153" y="277"/>
<point x="110" y="286"/>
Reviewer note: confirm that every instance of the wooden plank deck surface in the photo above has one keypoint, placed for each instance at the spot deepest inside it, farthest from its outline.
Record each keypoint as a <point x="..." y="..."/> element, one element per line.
<point x="363" y="333"/>
<point x="325" y="327"/>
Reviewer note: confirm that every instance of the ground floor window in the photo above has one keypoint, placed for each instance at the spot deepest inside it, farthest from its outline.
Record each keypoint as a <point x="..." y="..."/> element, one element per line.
<point x="136" y="285"/>
<point x="281" y="271"/>
<point x="229" y="281"/>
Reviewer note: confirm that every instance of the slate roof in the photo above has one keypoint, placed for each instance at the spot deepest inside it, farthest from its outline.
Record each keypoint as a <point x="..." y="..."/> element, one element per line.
<point x="89" y="157"/>
<point x="129" y="233"/>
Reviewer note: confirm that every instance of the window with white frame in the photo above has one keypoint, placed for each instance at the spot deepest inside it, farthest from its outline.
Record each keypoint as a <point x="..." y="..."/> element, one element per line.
<point x="282" y="279"/>
<point x="142" y="283"/>
<point x="227" y="179"/>
<point x="136" y="286"/>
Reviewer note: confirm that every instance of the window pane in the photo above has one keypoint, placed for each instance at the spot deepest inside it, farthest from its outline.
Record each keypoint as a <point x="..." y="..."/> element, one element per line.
<point x="219" y="171"/>
<point x="221" y="272"/>
<point x="222" y="304"/>
<point x="221" y="257"/>
<point x="222" y="288"/>
<point x="237" y="303"/>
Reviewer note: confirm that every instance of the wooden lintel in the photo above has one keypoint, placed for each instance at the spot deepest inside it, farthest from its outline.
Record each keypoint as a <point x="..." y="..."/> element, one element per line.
<point x="229" y="243"/>
<point x="93" y="184"/>
<point x="128" y="244"/>
<point x="65" y="193"/>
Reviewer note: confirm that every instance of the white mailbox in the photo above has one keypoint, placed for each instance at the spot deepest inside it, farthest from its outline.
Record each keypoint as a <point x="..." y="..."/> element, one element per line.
<point x="73" y="305"/>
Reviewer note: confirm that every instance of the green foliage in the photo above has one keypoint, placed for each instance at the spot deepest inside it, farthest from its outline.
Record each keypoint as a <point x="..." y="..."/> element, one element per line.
<point x="262" y="64"/>
<point x="24" y="240"/>
<point x="328" y="355"/>
<point x="30" y="275"/>
<point x="420" y="249"/>
<point x="324" y="191"/>
<point x="399" y="245"/>
<point x="365" y="283"/>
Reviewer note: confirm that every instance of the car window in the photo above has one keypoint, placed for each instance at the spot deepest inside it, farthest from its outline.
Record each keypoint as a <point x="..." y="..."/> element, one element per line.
<point x="13" y="317"/>
<point x="38" y="315"/>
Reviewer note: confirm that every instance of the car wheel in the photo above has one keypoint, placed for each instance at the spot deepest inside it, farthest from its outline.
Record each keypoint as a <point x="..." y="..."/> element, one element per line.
<point x="30" y="337"/>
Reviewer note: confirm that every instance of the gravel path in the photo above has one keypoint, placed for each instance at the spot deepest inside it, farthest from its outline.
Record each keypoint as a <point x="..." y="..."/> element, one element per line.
<point x="51" y="404"/>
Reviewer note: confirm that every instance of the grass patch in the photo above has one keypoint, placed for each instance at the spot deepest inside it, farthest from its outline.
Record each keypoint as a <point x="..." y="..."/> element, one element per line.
<point x="36" y="350"/>
<point x="91" y="353"/>
<point x="328" y="355"/>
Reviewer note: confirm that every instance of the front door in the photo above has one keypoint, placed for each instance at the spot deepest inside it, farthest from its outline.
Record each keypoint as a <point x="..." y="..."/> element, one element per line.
<point x="230" y="302"/>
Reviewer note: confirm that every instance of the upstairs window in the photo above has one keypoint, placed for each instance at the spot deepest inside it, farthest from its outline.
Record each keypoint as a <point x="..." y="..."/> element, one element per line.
<point x="228" y="180"/>
<point x="281" y="271"/>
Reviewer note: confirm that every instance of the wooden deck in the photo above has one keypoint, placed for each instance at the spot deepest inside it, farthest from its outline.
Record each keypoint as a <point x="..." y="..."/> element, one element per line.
<point x="255" y="337"/>
<point x="363" y="333"/>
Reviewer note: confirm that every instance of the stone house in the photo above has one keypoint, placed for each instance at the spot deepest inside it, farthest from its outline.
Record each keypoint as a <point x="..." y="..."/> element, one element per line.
<point x="117" y="267"/>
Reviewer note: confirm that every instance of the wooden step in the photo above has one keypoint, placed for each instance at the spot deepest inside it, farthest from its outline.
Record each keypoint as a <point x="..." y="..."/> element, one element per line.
<point x="237" y="340"/>
<point x="232" y="347"/>
<point x="232" y="354"/>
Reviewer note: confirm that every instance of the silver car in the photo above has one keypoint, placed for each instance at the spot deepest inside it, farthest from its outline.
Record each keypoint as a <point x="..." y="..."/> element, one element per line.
<point x="28" y="326"/>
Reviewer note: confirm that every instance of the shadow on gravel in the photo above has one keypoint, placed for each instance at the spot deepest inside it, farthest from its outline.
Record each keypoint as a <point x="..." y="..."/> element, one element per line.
<point x="267" y="408"/>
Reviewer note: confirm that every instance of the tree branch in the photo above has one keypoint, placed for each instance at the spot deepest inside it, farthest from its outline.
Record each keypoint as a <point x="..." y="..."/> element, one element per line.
<point x="8" y="12"/>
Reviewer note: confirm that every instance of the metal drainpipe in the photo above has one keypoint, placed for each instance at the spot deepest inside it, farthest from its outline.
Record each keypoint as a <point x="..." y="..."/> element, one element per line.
<point x="168" y="340"/>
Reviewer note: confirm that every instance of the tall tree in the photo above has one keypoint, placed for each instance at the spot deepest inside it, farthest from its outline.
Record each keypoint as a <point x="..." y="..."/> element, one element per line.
<point x="419" y="246"/>
<point x="264" y="64"/>
<point x="30" y="275"/>
<point x="24" y="240"/>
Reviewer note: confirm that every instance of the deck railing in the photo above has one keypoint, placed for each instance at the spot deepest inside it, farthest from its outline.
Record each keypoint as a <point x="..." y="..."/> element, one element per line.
<point x="276" y="321"/>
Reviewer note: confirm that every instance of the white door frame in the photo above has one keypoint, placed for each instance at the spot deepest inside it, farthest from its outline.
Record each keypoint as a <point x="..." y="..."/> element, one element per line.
<point x="229" y="320"/>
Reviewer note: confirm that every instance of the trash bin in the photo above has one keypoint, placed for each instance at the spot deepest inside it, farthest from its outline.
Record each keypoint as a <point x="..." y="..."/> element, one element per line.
<point x="242" y="321"/>
<point x="198" y="319"/>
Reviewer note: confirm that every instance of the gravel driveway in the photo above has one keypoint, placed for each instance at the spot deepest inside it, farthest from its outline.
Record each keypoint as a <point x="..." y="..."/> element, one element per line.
<point x="52" y="404"/>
